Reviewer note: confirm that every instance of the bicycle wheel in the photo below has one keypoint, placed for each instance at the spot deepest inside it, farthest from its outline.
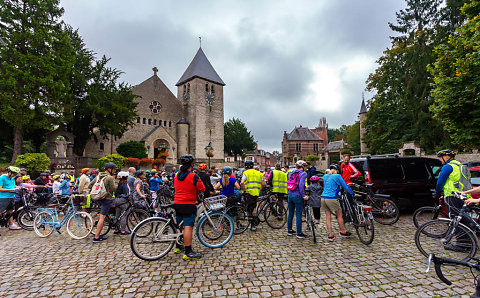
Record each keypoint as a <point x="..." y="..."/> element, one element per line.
<point x="217" y="231"/>
<point x="134" y="217"/>
<point x="79" y="225"/>
<point x="385" y="211"/>
<point x="364" y="227"/>
<point x="42" y="224"/>
<point x="311" y="224"/>
<point x="425" y="214"/>
<point x="275" y="215"/>
<point x="239" y="217"/>
<point x="25" y="219"/>
<point x="107" y="224"/>
<point x="430" y="238"/>
<point x="152" y="238"/>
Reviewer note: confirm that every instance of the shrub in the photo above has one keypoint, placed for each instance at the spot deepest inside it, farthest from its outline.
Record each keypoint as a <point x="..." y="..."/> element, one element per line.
<point x="346" y="151"/>
<point x="132" y="149"/>
<point x="159" y="161"/>
<point x="132" y="161"/>
<point x="35" y="163"/>
<point x="146" y="161"/>
<point x="115" y="158"/>
<point x="313" y="158"/>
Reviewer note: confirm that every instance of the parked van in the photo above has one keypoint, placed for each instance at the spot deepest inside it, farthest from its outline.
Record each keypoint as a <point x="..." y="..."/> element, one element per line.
<point x="409" y="181"/>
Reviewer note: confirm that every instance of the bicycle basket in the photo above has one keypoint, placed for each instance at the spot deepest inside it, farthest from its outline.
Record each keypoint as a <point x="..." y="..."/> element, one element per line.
<point x="79" y="200"/>
<point x="215" y="203"/>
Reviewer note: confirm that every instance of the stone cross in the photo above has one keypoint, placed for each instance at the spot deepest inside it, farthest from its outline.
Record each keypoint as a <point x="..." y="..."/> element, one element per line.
<point x="155" y="70"/>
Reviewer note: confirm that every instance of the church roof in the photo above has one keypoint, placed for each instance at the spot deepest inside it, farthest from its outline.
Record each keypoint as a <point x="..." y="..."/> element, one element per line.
<point x="335" y="146"/>
<point x="363" y="108"/>
<point x="302" y="134"/>
<point x="200" y="67"/>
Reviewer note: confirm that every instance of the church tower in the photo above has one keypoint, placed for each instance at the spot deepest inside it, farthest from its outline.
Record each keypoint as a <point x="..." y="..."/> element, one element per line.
<point x="363" y="115"/>
<point x="200" y="89"/>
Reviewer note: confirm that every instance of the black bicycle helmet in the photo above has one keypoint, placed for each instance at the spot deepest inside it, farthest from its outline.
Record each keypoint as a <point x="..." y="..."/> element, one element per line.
<point x="446" y="152"/>
<point x="186" y="159"/>
<point x="334" y="166"/>
<point x="248" y="164"/>
<point x="139" y="173"/>
<point x="109" y="165"/>
<point x="227" y="170"/>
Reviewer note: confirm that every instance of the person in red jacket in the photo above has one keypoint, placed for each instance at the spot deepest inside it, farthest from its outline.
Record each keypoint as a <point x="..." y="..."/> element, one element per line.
<point x="187" y="186"/>
<point x="348" y="170"/>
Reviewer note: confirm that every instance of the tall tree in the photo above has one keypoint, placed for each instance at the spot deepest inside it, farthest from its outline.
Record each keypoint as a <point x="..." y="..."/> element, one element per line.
<point x="96" y="100"/>
<point x="457" y="81"/>
<point x="238" y="139"/>
<point x="399" y="110"/>
<point x="35" y="56"/>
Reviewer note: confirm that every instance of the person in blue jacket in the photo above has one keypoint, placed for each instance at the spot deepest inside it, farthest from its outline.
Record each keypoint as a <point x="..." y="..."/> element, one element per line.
<point x="332" y="183"/>
<point x="155" y="181"/>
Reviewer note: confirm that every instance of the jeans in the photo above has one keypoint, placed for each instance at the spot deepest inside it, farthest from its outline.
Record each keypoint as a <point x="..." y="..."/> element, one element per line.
<point x="295" y="204"/>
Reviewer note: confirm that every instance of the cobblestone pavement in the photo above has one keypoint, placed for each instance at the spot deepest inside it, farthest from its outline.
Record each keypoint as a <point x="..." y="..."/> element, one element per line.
<point x="264" y="263"/>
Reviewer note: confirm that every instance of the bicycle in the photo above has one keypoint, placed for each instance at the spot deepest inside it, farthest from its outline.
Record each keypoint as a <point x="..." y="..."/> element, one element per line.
<point x="428" y="213"/>
<point x="362" y="218"/>
<point x="268" y="210"/>
<point x="154" y="237"/>
<point x="384" y="210"/>
<point x="309" y="219"/>
<point x="449" y="237"/>
<point x="438" y="262"/>
<point x="79" y="223"/>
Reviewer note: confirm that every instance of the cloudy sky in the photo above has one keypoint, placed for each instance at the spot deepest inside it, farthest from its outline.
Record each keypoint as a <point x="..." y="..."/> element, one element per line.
<point x="285" y="63"/>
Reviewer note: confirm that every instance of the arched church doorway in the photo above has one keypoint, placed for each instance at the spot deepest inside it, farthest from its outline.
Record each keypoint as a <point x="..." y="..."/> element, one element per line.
<point x="161" y="149"/>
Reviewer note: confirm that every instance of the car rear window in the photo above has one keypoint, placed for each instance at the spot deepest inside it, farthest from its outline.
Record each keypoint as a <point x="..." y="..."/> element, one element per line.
<point x="475" y="174"/>
<point x="415" y="170"/>
<point x="386" y="169"/>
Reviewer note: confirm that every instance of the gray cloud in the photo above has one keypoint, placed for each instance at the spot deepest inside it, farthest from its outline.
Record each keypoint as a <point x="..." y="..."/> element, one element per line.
<point x="269" y="53"/>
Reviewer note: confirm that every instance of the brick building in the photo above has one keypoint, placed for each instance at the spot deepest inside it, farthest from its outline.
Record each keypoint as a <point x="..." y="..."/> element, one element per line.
<point x="303" y="141"/>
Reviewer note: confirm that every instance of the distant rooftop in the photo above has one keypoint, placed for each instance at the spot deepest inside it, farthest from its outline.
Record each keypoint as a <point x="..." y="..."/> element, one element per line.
<point x="302" y="134"/>
<point x="200" y="67"/>
<point x="335" y="146"/>
<point x="363" y="108"/>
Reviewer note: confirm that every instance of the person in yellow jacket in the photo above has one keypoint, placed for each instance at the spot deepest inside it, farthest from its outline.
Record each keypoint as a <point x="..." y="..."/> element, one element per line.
<point x="278" y="182"/>
<point x="251" y="183"/>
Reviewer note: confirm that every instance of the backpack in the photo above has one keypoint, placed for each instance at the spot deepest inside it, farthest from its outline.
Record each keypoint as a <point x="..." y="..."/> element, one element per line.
<point x="464" y="183"/>
<point x="98" y="192"/>
<point x="293" y="181"/>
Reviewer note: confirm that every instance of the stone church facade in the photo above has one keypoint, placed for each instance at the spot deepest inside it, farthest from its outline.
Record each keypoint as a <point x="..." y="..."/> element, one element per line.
<point x="176" y="125"/>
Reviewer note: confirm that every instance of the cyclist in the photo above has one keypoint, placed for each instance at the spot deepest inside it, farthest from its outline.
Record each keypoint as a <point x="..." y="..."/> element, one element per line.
<point x="64" y="187"/>
<point x="267" y="174"/>
<point x="105" y="204"/>
<point x="94" y="174"/>
<point x="314" y="198"/>
<point x="121" y="194"/>
<point x="205" y="179"/>
<point x="348" y="170"/>
<point x="228" y="183"/>
<point x="296" y="197"/>
<point x="332" y="183"/>
<point x="251" y="183"/>
<point x="278" y="182"/>
<point x="155" y="182"/>
<point x="7" y="194"/>
<point x="187" y="186"/>
<point x="311" y="171"/>
<point x="84" y="180"/>
<point x="450" y="181"/>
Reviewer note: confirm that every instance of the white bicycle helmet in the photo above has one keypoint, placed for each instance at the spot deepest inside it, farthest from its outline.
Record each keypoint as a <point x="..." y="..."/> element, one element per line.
<point x="122" y="175"/>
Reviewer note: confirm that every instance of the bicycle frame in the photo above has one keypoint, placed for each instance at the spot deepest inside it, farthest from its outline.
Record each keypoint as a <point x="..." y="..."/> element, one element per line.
<point x="53" y="212"/>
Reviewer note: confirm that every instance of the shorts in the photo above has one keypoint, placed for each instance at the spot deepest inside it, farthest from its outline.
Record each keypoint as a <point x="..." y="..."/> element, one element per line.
<point x="105" y="206"/>
<point x="186" y="213"/>
<point x="332" y="205"/>
<point x="6" y="204"/>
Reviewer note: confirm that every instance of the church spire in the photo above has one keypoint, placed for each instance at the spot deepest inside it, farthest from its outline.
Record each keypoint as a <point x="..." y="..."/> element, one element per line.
<point x="200" y="67"/>
<point x="363" y="108"/>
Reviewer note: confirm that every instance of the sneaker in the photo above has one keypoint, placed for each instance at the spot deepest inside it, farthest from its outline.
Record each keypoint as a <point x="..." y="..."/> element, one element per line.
<point x="178" y="250"/>
<point x="317" y="221"/>
<point x="291" y="233"/>
<point x="192" y="255"/>
<point x="116" y="232"/>
<point x="301" y="236"/>
<point x="330" y="237"/>
<point x="346" y="234"/>
<point x="124" y="233"/>
<point x="253" y="228"/>
<point x="457" y="248"/>
<point x="14" y="227"/>
<point x="99" y="239"/>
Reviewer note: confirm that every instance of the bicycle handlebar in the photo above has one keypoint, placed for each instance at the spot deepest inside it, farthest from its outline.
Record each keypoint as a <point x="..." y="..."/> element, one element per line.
<point x="438" y="262"/>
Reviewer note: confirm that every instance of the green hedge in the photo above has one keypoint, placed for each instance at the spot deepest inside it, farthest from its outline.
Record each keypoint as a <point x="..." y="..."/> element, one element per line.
<point x="115" y="158"/>
<point x="35" y="163"/>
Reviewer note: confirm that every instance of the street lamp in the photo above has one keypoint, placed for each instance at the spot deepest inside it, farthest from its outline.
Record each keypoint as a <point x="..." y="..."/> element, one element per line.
<point x="209" y="152"/>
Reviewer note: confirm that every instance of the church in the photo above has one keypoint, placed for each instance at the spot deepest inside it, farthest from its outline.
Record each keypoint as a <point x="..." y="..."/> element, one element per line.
<point x="170" y="126"/>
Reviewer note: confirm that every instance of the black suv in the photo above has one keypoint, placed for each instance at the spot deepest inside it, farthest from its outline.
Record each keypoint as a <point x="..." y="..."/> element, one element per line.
<point x="408" y="180"/>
